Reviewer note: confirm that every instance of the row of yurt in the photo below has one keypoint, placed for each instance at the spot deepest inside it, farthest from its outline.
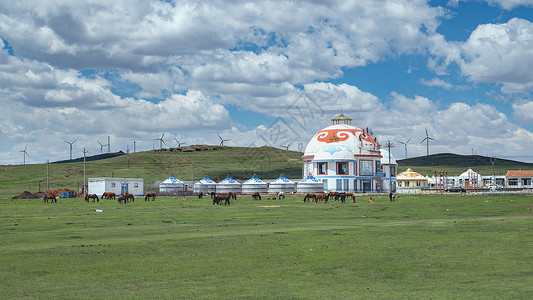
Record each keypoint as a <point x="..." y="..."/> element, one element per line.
<point x="282" y="184"/>
<point x="171" y="184"/>
<point x="254" y="185"/>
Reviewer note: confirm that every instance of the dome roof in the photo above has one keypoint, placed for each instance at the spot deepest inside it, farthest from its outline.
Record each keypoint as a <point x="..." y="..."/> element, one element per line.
<point x="469" y="173"/>
<point x="282" y="180"/>
<point x="310" y="179"/>
<point x="334" y="151"/>
<point x="206" y="181"/>
<point x="229" y="180"/>
<point x="254" y="180"/>
<point x="172" y="180"/>
<point x="356" y="139"/>
<point x="410" y="175"/>
<point x="385" y="158"/>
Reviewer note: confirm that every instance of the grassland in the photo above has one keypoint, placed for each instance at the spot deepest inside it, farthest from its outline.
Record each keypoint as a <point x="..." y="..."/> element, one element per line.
<point x="420" y="247"/>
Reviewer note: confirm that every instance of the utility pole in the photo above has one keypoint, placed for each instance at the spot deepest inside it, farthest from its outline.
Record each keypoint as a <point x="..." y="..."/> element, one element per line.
<point x="389" y="145"/>
<point x="84" y="174"/>
<point x="128" y="156"/>
<point x="108" y="144"/>
<point x="47" y="174"/>
<point x="192" y="172"/>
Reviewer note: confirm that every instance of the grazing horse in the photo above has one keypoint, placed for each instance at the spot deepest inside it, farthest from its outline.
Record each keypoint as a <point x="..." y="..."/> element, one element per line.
<point x="322" y="198"/>
<point x="232" y="195"/>
<point x="271" y="198"/>
<point x="50" y="197"/>
<point x="218" y="199"/>
<point x="93" y="197"/>
<point x="129" y="197"/>
<point x="121" y="199"/>
<point x="281" y="195"/>
<point x="341" y="196"/>
<point x="213" y="195"/>
<point x="108" y="195"/>
<point x="148" y="196"/>
<point x="200" y="195"/>
<point x="351" y="195"/>
<point x="256" y="196"/>
<point x="333" y="195"/>
<point x="308" y="197"/>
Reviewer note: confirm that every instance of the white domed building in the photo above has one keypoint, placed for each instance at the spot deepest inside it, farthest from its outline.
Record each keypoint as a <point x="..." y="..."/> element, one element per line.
<point x="346" y="158"/>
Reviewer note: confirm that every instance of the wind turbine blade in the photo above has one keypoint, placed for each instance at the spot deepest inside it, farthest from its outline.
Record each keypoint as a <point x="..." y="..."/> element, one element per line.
<point x="219" y="136"/>
<point x="423" y="140"/>
<point x="426" y="131"/>
<point x="402" y="143"/>
<point x="431" y="138"/>
<point x="408" y="140"/>
<point x="163" y="134"/>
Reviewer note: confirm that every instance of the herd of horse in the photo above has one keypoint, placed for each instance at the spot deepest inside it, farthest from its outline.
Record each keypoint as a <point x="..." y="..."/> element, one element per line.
<point x="220" y="198"/>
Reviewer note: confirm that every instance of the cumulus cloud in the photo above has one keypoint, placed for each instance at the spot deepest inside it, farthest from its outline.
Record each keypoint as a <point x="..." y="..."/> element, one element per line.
<point x="505" y="4"/>
<point x="436" y="82"/>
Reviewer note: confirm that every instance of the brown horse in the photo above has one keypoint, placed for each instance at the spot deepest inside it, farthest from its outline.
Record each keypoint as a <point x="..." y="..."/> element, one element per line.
<point x="322" y="198"/>
<point x="92" y="196"/>
<point x="121" y="199"/>
<point x="50" y="197"/>
<point x="148" y="196"/>
<point x="129" y="197"/>
<point x="108" y="195"/>
<point x="256" y="196"/>
<point x="308" y="197"/>
<point x="200" y="195"/>
<point x="232" y="195"/>
<point x="351" y="195"/>
<point x="219" y="198"/>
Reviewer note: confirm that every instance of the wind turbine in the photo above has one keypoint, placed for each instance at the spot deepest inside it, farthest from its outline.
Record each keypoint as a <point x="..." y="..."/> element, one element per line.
<point x="287" y="147"/>
<point x="134" y="143"/>
<point x="161" y="142"/>
<point x="405" y="144"/>
<point x="101" y="147"/>
<point x="222" y="140"/>
<point x="70" y="144"/>
<point x="25" y="153"/>
<point x="427" y="138"/>
<point x="179" y="144"/>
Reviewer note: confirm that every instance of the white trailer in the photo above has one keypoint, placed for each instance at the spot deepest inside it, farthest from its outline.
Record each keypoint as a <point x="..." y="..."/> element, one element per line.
<point x="118" y="186"/>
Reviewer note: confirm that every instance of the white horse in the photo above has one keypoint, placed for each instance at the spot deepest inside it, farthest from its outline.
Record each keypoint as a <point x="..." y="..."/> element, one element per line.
<point x="281" y="195"/>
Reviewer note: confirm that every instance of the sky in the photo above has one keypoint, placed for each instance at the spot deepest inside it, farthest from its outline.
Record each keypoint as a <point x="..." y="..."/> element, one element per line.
<point x="264" y="73"/>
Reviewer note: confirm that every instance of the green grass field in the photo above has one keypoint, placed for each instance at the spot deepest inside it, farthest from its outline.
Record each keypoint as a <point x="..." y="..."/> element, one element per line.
<point x="421" y="247"/>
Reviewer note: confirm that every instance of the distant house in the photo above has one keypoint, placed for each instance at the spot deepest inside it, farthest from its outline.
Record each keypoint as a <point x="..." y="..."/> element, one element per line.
<point x="118" y="186"/>
<point x="519" y="179"/>
<point x="411" y="182"/>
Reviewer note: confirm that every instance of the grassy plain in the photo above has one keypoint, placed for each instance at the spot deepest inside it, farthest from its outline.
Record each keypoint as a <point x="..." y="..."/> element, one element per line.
<point x="421" y="247"/>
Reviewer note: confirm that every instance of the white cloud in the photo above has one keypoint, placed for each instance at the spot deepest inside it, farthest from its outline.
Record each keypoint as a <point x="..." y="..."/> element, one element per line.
<point x="437" y="82"/>
<point x="523" y="111"/>
<point x="505" y="4"/>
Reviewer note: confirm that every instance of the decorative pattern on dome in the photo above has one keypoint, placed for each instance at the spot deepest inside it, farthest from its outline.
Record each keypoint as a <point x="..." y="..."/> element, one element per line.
<point x="206" y="180"/>
<point x="228" y="181"/>
<point x="282" y="180"/>
<point x="332" y="149"/>
<point x="254" y="180"/>
<point x="172" y="180"/>
<point x="310" y="179"/>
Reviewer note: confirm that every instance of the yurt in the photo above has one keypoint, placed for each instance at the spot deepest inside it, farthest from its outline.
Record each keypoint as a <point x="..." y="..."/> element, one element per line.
<point x="229" y="185"/>
<point x="171" y="184"/>
<point x="310" y="185"/>
<point x="282" y="184"/>
<point x="205" y="185"/>
<point x="254" y="185"/>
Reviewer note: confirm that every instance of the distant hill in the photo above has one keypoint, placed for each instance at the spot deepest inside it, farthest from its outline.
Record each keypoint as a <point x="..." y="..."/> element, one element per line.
<point x="90" y="158"/>
<point x="456" y="164"/>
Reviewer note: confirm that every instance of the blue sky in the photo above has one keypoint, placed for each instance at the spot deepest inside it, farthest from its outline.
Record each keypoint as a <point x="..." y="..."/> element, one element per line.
<point x="265" y="73"/>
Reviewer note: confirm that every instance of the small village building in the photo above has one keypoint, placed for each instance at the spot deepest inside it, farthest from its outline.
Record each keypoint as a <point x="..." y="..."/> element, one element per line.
<point x="409" y="182"/>
<point x="206" y="186"/>
<point x="171" y="184"/>
<point x="469" y="180"/>
<point x="310" y="184"/>
<point x="282" y="184"/>
<point x="118" y="186"/>
<point x="254" y="185"/>
<point x="520" y="179"/>
<point x="229" y="185"/>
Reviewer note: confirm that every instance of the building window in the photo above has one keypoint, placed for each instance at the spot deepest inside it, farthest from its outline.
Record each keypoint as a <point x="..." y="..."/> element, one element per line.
<point x="342" y="168"/>
<point x="339" y="185"/>
<point x="355" y="168"/>
<point x="112" y="184"/>
<point x="346" y="185"/>
<point x="322" y="168"/>
<point x="365" y="167"/>
<point x="378" y="167"/>
<point x="418" y="183"/>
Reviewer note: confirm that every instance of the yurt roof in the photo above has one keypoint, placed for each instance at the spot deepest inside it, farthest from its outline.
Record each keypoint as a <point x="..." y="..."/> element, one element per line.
<point x="310" y="179"/>
<point x="171" y="180"/>
<point x="206" y="181"/>
<point x="229" y="180"/>
<point x="254" y="180"/>
<point x="385" y="157"/>
<point x="282" y="180"/>
<point x="410" y="175"/>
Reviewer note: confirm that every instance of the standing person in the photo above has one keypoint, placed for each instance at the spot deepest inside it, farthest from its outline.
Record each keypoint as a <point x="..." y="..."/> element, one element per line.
<point x="391" y="196"/>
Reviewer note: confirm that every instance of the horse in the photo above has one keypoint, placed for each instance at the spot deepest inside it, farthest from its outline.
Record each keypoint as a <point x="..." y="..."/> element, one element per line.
<point x="351" y="195"/>
<point x="128" y="197"/>
<point x="333" y="194"/>
<point x="108" y="195"/>
<point x="213" y="195"/>
<point x="281" y="195"/>
<point x="371" y="200"/>
<point x="200" y="195"/>
<point x="92" y="196"/>
<point x="256" y="196"/>
<point x="148" y="196"/>
<point x="341" y="196"/>
<point x="50" y="197"/>
<point x="121" y="199"/>
<point x="322" y="198"/>
<point x="218" y="199"/>
<point x="308" y="197"/>
<point x="271" y="198"/>
<point x="232" y="195"/>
